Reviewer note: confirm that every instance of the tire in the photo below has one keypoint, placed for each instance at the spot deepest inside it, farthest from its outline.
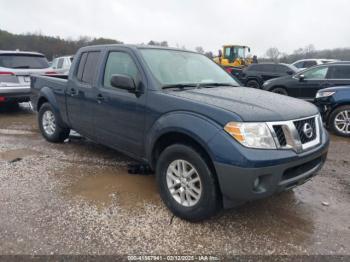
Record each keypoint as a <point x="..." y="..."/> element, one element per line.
<point x="207" y="203"/>
<point x="337" y="117"/>
<point x="49" y="128"/>
<point x="253" y="84"/>
<point x="279" y="90"/>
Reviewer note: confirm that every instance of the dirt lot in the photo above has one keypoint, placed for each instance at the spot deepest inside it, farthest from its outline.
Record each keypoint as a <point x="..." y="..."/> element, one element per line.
<point x="77" y="198"/>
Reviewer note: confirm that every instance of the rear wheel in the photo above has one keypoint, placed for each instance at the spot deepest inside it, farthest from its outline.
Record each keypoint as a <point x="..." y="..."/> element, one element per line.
<point x="48" y="125"/>
<point x="253" y="84"/>
<point x="187" y="185"/>
<point x="279" y="90"/>
<point x="339" y="121"/>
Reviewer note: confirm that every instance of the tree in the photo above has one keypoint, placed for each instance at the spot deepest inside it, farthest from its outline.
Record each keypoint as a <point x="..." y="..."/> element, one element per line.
<point x="162" y="43"/>
<point x="199" y="49"/>
<point x="273" y="53"/>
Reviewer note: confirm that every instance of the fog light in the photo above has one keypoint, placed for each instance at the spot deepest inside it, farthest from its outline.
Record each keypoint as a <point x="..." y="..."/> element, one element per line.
<point x="256" y="183"/>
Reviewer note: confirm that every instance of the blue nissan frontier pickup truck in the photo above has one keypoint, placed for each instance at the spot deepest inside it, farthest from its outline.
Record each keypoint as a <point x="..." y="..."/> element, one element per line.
<point x="211" y="143"/>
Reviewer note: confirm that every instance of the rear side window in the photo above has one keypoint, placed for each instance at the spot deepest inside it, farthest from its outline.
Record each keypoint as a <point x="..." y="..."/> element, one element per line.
<point x="119" y="63"/>
<point x="339" y="72"/>
<point x="87" y="67"/>
<point x="299" y="64"/>
<point x="81" y="66"/>
<point x="23" y="61"/>
<point x="60" y="63"/>
<point x="267" y="68"/>
<point x="253" y="68"/>
<point x="281" y="69"/>
<point x="309" y="64"/>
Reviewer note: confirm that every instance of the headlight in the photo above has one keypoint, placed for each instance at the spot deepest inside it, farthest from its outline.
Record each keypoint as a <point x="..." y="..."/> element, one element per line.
<point x="253" y="135"/>
<point x="324" y="94"/>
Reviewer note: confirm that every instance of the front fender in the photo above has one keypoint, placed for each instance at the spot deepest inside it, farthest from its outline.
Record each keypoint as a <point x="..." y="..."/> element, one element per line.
<point x="198" y="127"/>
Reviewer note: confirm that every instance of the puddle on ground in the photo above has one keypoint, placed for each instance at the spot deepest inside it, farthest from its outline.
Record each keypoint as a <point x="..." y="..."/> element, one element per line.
<point x="100" y="185"/>
<point x="17" y="154"/>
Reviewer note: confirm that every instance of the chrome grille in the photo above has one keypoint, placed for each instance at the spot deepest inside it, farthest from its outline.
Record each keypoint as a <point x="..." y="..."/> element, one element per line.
<point x="291" y="134"/>
<point x="300" y="125"/>
<point x="280" y="135"/>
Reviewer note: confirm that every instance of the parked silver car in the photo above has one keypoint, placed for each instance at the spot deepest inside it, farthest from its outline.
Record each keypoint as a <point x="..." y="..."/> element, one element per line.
<point x="61" y="65"/>
<point x="16" y="67"/>
<point x="306" y="63"/>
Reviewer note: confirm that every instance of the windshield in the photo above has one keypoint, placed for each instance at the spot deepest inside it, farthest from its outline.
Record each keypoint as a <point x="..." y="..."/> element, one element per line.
<point x="172" y="67"/>
<point x="239" y="52"/>
<point x="23" y="61"/>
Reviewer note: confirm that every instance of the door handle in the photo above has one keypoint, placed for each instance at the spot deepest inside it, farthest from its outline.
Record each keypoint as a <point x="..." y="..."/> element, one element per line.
<point x="73" y="92"/>
<point x="100" y="98"/>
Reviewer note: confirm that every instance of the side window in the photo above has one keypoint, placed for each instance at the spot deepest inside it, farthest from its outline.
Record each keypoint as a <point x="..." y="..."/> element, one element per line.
<point x="309" y="64"/>
<point x="81" y="66"/>
<point x="90" y="67"/>
<point x="66" y="63"/>
<point x="281" y="69"/>
<point x="252" y="68"/>
<point x="119" y="63"/>
<point x="54" y="63"/>
<point x="268" y="68"/>
<point x="60" y="63"/>
<point x="339" y="72"/>
<point x="299" y="65"/>
<point x="316" y="73"/>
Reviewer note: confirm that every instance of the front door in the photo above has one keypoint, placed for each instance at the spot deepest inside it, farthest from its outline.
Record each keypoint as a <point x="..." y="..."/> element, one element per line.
<point x="314" y="79"/>
<point x="120" y="114"/>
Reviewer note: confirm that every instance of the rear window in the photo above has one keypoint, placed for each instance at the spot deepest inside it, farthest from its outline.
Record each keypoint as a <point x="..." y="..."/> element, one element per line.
<point x="23" y="61"/>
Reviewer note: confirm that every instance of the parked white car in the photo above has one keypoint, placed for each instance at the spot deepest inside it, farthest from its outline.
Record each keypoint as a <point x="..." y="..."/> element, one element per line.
<point x="61" y="65"/>
<point x="306" y="63"/>
<point x="16" y="67"/>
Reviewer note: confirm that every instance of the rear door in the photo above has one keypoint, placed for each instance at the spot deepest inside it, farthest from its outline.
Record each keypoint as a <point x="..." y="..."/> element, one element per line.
<point x="268" y="72"/>
<point x="281" y="70"/>
<point x="314" y="79"/>
<point x="119" y="114"/>
<point x="80" y="94"/>
<point x="338" y="75"/>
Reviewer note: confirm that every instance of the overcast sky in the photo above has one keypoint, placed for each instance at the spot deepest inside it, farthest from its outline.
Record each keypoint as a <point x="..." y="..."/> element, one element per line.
<point x="285" y="24"/>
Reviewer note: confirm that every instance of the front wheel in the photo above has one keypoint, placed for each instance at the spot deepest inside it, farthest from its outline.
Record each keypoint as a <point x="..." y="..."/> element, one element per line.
<point x="187" y="185"/>
<point x="253" y="84"/>
<point x="339" y="121"/>
<point x="48" y="125"/>
<point x="280" y="90"/>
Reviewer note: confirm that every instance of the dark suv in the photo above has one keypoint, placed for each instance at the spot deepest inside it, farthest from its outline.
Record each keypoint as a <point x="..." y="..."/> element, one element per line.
<point x="305" y="84"/>
<point x="255" y="75"/>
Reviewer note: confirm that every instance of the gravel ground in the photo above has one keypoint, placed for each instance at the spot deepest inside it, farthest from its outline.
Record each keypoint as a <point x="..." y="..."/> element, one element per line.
<point x="77" y="198"/>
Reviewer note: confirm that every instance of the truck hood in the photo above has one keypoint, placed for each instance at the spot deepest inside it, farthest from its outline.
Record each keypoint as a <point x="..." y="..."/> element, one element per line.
<point x="252" y="105"/>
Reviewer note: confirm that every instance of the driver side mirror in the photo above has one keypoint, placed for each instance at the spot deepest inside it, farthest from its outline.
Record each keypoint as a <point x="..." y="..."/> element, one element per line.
<point x="301" y="78"/>
<point x="123" y="82"/>
<point x="290" y="72"/>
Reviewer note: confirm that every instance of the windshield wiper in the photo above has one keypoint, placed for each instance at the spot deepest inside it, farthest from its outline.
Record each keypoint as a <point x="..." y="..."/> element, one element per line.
<point x="210" y="85"/>
<point x="21" y="67"/>
<point x="181" y="86"/>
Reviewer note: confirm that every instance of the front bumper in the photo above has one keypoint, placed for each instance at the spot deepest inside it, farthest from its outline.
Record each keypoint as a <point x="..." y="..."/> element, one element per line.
<point x="239" y="184"/>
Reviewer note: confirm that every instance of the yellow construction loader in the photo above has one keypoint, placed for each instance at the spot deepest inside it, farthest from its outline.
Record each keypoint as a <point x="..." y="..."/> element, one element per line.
<point x="234" y="56"/>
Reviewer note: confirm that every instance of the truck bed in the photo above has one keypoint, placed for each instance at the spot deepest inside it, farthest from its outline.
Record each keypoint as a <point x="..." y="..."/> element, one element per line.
<point x="57" y="83"/>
